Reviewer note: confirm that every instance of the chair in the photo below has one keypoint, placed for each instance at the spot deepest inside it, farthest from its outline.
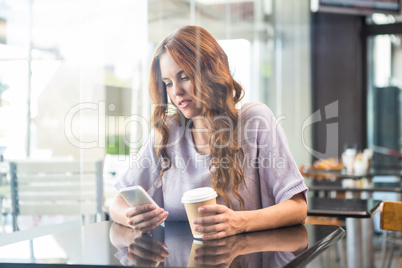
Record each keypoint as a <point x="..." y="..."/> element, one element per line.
<point x="390" y="220"/>
<point x="56" y="188"/>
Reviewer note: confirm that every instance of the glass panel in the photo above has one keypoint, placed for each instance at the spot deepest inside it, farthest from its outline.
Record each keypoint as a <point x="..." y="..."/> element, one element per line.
<point x="14" y="47"/>
<point x="384" y="99"/>
<point x="66" y="74"/>
<point x="100" y="56"/>
<point x="74" y="73"/>
<point x="73" y="59"/>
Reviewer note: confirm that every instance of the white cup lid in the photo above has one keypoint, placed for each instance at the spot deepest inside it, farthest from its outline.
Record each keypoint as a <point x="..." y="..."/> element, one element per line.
<point x="198" y="195"/>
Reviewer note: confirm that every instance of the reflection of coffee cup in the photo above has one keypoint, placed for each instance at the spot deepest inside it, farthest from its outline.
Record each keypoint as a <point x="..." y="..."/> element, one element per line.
<point x="196" y="244"/>
<point x="194" y="199"/>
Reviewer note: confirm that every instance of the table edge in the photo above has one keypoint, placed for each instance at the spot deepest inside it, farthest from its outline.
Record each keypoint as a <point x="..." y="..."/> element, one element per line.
<point x="317" y="249"/>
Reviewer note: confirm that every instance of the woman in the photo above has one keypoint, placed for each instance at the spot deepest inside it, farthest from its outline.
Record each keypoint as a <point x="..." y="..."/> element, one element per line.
<point x="206" y="141"/>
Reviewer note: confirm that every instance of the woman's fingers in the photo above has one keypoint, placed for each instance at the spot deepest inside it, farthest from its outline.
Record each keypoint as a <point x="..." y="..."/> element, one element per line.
<point x="139" y="210"/>
<point x="223" y="222"/>
<point x="219" y="210"/>
<point x="210" y="228"/>
<point x="213" y="209"/>
<point x="208" y="220"/>
<point x="146" y="227"/>
<point x="146" y="216"/>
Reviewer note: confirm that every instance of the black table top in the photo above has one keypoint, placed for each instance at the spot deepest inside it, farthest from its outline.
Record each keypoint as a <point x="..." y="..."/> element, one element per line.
<point x="339" y="207"/>
<point x="113" y="245"/>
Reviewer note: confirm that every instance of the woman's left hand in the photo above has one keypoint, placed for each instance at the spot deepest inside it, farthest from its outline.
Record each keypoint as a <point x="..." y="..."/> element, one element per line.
<point x="226" y="222"/>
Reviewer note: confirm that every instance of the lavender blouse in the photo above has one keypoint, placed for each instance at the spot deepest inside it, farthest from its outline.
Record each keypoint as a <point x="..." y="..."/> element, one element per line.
<point x="271" y="174"/>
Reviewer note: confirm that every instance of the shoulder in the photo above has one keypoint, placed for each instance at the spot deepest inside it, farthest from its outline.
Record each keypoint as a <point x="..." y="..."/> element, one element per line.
<point x="255" y="111"/>
<point x="255" y="108"/>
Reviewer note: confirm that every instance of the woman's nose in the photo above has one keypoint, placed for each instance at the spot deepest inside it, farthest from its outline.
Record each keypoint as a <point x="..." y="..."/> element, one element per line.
<point x="177" y="89"/>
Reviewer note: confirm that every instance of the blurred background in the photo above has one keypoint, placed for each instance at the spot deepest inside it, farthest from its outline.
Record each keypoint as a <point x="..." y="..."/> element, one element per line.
<point x="74" y="74"/>
<point x="74" y="84"/>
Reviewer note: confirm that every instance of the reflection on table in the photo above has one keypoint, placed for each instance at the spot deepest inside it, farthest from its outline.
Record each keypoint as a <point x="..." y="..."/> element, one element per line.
<point x="111" y="244"/>
<point x="273" y="248"/>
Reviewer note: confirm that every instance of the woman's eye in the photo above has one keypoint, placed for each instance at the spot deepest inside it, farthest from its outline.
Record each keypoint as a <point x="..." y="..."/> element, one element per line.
<point x="184" y="78"/>
<point x="168" y="84"/>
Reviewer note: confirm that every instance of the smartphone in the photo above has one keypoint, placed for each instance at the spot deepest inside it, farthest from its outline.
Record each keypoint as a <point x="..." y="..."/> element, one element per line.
<point x="136" y="196"/>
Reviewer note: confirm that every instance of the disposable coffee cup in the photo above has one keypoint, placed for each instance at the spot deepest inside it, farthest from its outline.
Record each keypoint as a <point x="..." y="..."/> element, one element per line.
<point x="196" y="245"/>
<point x="193" y="199"/>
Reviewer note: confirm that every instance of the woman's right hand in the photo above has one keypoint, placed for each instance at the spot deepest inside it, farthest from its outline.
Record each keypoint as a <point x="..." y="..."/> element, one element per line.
<point x="145" y="218"/>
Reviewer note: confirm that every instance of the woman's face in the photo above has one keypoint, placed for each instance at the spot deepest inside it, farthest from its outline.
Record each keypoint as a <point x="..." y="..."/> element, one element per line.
<point x="178" y="87"/>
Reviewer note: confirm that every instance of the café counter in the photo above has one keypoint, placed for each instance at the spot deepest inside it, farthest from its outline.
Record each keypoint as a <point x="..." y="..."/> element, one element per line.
<point x="108" y="244"/>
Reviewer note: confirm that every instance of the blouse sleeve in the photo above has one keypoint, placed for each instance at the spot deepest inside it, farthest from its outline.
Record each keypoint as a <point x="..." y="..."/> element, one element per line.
<point x="280" y="178"/>
<point x="144" y="170"/>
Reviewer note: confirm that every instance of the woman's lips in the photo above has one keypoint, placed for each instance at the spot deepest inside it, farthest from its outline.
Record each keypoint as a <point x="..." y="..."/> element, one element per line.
<point x="185" y="103"/>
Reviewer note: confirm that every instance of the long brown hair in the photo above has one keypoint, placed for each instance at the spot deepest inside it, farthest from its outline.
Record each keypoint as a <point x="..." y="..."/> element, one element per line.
<point x="205" y="63"/>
